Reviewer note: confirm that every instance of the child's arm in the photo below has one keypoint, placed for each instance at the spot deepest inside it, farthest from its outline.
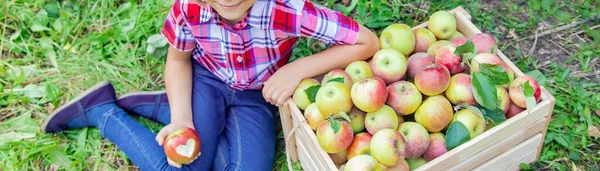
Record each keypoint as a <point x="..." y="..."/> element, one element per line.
<point x="283" y="83"/>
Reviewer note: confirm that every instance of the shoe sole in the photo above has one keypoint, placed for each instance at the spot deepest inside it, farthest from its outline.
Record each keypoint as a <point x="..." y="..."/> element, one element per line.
<point x="79" y="97"/>
<point x="141" y="93"/>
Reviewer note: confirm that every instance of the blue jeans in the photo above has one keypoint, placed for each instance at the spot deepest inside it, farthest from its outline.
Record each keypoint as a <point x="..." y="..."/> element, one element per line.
<point x="236" y="128"/>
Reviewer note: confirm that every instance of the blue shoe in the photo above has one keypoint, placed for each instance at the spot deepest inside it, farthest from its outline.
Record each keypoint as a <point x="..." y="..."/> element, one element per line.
<point x="153" y="99"/>
<point x="75" y="110"/>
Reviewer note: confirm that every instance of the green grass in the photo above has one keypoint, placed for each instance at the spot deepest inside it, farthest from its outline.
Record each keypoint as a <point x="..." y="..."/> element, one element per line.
<point x="51" y="51"/>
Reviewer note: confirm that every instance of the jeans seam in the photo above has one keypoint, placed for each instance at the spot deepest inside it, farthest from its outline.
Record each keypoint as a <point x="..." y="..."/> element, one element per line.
<point x="239" y="141"/>
<point x="221" y="156"/>
<point x="128" y="131"/>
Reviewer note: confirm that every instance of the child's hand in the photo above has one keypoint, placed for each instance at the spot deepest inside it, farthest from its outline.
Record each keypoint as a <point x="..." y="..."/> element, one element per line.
<point x="165" y="131"/>
<point x="282" y="84"/>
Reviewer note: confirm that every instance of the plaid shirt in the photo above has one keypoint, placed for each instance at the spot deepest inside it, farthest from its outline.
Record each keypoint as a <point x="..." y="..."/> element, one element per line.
<point x="246" y="54"/>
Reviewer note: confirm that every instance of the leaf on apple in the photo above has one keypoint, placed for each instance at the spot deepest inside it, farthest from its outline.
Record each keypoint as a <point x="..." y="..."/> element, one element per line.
<point x="495" y="72"/>
<point x="343" y="115"/>
<point x="467" y="51"/>
<point x="484" y="90"/>
<point x="311" y="92"/>
<point x="335" y="124"/>
<point x="496" y="116"/>
<point x="529" y="99"/>
<point x="456" y="135"/>
<point x="476" y="111"/>
<point x="337" y="79"/>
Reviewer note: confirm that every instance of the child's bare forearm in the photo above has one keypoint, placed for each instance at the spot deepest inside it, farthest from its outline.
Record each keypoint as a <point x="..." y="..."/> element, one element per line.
<point x="178" y="82"/>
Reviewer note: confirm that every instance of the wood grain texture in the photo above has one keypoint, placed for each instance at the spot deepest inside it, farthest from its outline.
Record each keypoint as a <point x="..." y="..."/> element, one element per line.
<point x="510" y="160"/>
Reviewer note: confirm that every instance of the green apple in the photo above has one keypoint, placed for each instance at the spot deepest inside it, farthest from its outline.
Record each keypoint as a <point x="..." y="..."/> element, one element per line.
<point x="300" y="98"/>
<point x="389" y="65"/>
<point x="459" y="91"/>
<point x="442" y="24"/>
<point x="313" y="116"/>
<point x="381" y="119"/>
<point x="474" y="123"/>
<point x="416" y="162"/>
<point x="388" y="146"/>
<point x="399" y="37"/>
<point x="456" y="34"/>
<point x="362" y="163"/>
<point x="435" y="113"/>
<point x="359" y="70"/>
<point x="332" y="98"/>
<point x="357" y="120"/>
<point x="338" y="73"/>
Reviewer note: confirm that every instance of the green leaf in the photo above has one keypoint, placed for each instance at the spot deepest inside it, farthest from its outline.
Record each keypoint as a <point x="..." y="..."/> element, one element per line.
<point x="561" y="140"/>
<point x="525" y="166"/>
<point x="343" y="115"/>
<point x="52" y="9"/>
<point x="60" y="157"/>
<point x="39" y="28"/>
<point x="484" y="90"/>
<point x="476" y="111"/>
<point x="157" y="40"/>
<point x="529" y="99"/>
<point x="538" y="76"/>
<point x="335" y="124"/>
<point x="496" y="73"/>
<point x="337" y="79"/>
<point x="311" y="92"/>
<point x="468" y="47"/>
<point x="497" y="115"/>
<point x="456" y="135"/>
<point x="14" y="136"/>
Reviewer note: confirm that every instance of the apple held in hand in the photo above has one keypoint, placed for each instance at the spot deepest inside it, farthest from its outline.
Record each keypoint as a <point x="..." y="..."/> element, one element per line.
<point x="517" y="87"/>
<point x="338" y="73"/>
<point x="399" y="37"/>
<point x="381" y="119"/>
<point x="369" y="94"/>
<point x="334" y="136"/>
<point x="389" y="65"/>
<point x="435" y="113"/>
<point x="423" y="39"/>
<point x="300" y="98"/>
<point x="403" y="97"/>
<point x="433" y="79"/>
<point x="418" y="61"/>
<point x="362" y="163"/>
<point x="388" y="146"/>
<point x="360" y="145"/>
<point x="442" y="24"/>
<point x="359" y="70"/>
<point x="332" y="98"/>
<point x="417" y="138"/>
<point x="183" y="145"/>
<point x="459" y="91"/>
<point x="437" y="146"/>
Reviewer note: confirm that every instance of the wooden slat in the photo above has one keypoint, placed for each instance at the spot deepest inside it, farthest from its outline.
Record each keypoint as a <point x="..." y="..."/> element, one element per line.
<point x="312" y="149"/>
<point x="308" y="163"/>
<point x="525" y="152"/>
<point x="548" y="118"/>
<point x="499" y="147"/>
<point x="287" y="126"/>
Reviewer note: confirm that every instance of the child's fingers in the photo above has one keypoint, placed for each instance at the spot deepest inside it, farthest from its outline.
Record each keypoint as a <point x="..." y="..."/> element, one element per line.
<point x="172" y="163"/>
<point x="163" y="133"/>
<point x="276" y="93"/>
<point x="286" y="94"/>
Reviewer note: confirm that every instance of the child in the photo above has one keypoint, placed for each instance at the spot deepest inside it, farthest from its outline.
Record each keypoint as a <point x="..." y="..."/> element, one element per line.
<point x="226" y="69"/>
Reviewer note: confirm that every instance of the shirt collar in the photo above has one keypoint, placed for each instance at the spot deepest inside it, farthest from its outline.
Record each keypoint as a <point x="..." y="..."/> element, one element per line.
<point x="259" y="15"/>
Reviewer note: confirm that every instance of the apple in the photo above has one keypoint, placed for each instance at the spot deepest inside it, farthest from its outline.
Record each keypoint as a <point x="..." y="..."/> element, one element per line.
<point x="516" y="90"/>
<point x="433" y="79"/>
<point x="359" y="70"/>
<point x="338" y="73"/>
<point x="399" y="37"/>
<point x="401" y="165"/>
<point x="362" y="163"/>
<point x="423" y="38"/>
<point x="418" y="61"/>
<point x="416" y="162"/>
<point x="381" y="119"/>
<point x="474" y="123"/>
<point x="417" y="138"/>
<point x="339" y="158"/>
<point x="456" y="34"/>
<point x="389" y="65"/>
<point x="313" y="116"/>
<point x="488" y="58"/>
<point x="369" y="94"/>
<point x="451" y="61"/>
<point x="299" y="97"/>
<point x="360" y="145"/>
<point x="513" y="110"/>
<point x="332" y="141"/>
<point x="442" y="24"/>
<point x="357" y="120"/>
<point x="483" y="42"/>
<point x="182" y="145"/>
<point x="503" y="98"/>
<point x="459" y="41"/>
<point x="332" y="98"/>
<point x="403" y="97"/>
<point x="388" y="146"/>
<point x="438" y="46"/>
<point x="437" y="146"/>
<point x="435" y="113"/>
<point x="459" y="91"/>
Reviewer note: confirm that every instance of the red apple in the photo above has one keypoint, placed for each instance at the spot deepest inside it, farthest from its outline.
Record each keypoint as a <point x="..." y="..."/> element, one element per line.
<point x="435" y="113"/>
<point x="459" y="41"/>
<point x="401" y="165"/>
<point x="300" y="98"/>
<point x="483" y="42"/>
<point x="360" y="145"/>
<point x="333" y="141"/>
<point x="332" y="98"/>
<point x="417" y="138"/>
<point x="339" y="158"/>
<point x="313" y="116"/>
<point x="416" y="162"/>
<point x="459" y="91"/>
<point x="369" y="94"/>
<point x="338" y="73"/>
<point x="418" y="61"/>
<point x="182" y="145"/>
<point x="438" y="46"/>
<point x="423" y="38"/>
<point x="403" y="97"/>
<point x="388" y="64"/>
<point x="516" y="90"/>
<point x="359" y="70"/>
<point x="456" y="34"/>
<point x="451" y="61"/>
<point x="488" y="58"/>
<point x="388" y="146"/>
<point x="399" y="37"/>
<point x="437" y="146"/>
<point x="433" y="79"/>
<point x="381" y="119"/>
<point x="357" y="120"/>
<point x="513" y="110"/>
<point x="503" y="98"/>
<point x="362" y="163"/>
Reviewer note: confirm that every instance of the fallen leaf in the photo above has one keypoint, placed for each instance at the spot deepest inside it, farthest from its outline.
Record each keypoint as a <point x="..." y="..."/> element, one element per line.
<point x="593" y="131"/>
<point x="598" y="113"/>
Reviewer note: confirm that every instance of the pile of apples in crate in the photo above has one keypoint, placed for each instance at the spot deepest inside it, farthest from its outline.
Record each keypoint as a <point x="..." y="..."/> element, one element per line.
<point x="425" y="92"/>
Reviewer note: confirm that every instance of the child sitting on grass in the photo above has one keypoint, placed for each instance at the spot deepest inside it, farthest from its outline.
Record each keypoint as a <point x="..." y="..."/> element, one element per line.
<point x="226" y="71"/>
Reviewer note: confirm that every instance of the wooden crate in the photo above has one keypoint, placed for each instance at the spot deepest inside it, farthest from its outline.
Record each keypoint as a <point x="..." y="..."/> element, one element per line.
<point x="515" y="141"/>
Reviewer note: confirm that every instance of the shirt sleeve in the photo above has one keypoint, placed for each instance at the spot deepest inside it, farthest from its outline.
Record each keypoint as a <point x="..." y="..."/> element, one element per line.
<point x="327" y="25"/>
<point x="176" y="30"/>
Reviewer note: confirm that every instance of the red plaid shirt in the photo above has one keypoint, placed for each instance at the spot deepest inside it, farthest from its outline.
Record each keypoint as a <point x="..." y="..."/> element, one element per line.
<point x="246" y="54"/>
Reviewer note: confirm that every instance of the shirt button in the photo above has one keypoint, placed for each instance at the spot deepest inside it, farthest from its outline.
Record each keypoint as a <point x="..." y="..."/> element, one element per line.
<point x="239" y="58"/>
